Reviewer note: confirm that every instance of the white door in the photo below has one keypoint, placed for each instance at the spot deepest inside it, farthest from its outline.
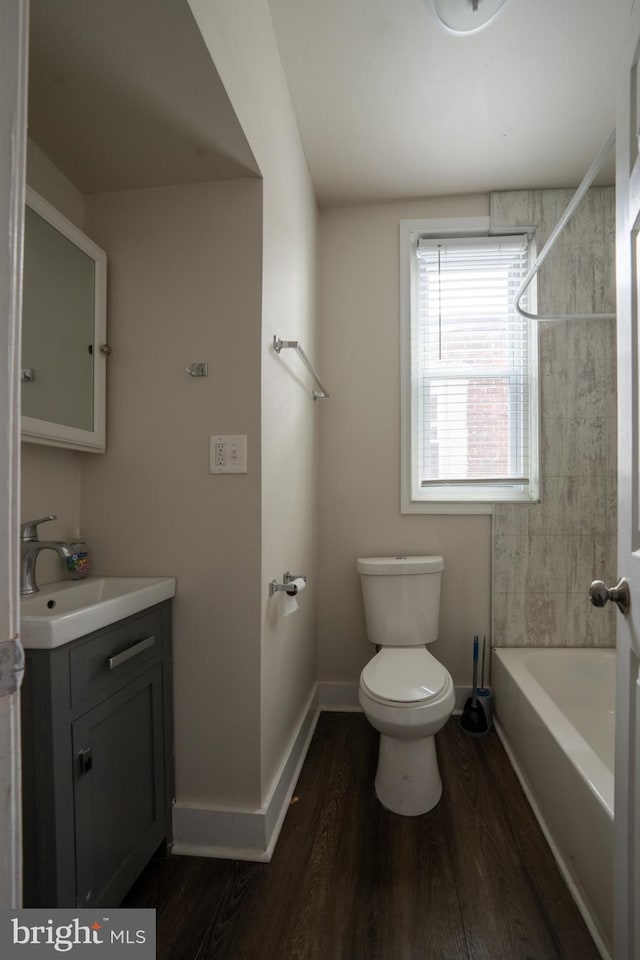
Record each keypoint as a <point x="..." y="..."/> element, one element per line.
<point x="627" y="790"/>
<point x="13" y="96"/>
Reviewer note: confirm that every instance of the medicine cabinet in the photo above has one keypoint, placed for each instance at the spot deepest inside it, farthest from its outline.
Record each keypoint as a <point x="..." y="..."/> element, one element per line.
<point x="63" y="369"/>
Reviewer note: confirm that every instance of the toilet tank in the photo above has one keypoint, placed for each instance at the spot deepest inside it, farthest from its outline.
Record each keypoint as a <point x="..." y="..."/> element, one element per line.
<point x="401" y="599"/>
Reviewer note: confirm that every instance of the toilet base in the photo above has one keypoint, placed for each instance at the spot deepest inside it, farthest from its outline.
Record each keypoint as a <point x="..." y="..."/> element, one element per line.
<point x="408" y="779"/>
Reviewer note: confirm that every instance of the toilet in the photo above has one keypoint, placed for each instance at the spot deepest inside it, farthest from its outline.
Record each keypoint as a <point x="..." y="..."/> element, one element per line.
<point x="405" y="693"/>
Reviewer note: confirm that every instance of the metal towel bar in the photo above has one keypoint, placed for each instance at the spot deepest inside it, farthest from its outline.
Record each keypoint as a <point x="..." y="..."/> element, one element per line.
<point x="322" y="393"/>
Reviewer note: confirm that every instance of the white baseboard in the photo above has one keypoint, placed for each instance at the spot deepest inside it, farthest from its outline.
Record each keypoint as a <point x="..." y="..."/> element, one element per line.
<point x="233" y="834"/>
<point x="219" y="833"/>
<point x="338" y="696"/>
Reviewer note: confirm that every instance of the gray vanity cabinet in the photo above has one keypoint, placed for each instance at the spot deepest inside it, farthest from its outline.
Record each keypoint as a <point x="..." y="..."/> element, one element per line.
<point x="97" y="761"/>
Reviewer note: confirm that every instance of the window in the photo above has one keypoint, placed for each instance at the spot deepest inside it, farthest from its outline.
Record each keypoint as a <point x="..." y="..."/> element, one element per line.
<point x="469" y="370"/>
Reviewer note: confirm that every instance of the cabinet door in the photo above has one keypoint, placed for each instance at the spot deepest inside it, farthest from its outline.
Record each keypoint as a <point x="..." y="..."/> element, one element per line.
<point x="119" y="789"/>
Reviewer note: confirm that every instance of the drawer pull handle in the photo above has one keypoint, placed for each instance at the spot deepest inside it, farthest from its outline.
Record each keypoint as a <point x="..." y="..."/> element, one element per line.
<point x="85" y="758"/>
<point x="130" y="652"/>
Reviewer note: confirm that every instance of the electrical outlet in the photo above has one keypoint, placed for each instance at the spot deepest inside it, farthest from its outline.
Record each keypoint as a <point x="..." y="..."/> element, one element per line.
<point x="228" y="454"/>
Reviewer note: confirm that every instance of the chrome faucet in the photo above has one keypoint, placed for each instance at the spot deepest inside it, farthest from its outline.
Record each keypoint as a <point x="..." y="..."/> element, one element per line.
<point x="30" y="547"/>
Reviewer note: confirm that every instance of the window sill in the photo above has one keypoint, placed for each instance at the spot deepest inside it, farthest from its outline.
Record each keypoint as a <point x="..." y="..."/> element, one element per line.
<point x="463" y="506"/>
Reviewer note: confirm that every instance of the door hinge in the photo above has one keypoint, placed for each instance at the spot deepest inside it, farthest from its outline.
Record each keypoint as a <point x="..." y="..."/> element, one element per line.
<point x="11" y="666"/>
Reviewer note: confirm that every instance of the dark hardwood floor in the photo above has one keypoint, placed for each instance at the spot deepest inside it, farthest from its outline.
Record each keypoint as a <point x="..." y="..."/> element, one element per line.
<point x="348" y="880"/>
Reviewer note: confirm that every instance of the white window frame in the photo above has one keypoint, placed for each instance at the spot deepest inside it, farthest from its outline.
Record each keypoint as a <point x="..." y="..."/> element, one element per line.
<point x="454" y="499"/>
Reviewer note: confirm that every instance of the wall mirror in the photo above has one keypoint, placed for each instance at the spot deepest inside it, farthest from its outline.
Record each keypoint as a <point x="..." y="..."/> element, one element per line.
<point x="63" y="375"/>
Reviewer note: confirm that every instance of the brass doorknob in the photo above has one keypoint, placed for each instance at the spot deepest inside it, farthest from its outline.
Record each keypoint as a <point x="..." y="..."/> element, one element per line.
<point x="600" y="594"/>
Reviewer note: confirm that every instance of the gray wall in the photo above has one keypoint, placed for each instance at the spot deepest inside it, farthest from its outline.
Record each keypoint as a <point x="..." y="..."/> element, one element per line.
<point x="185" y="285"/>
<point x="545" y="555"/>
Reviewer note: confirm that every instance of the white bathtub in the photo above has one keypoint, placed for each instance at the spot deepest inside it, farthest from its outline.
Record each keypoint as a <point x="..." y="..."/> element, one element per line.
<point x="555" y="715"/>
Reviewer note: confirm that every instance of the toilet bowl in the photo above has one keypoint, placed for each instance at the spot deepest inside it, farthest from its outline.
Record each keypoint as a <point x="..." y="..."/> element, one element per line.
<point x="405" y="693"/>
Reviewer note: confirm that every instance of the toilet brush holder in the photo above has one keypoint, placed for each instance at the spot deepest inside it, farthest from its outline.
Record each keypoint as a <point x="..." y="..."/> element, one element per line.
<point x="477" y="715"/>
<point x="473" y="720"/>
<point x="484" y="697"/>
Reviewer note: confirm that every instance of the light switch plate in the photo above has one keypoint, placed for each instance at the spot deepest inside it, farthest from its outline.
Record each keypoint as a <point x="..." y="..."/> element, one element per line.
<point x="228" y="453"/>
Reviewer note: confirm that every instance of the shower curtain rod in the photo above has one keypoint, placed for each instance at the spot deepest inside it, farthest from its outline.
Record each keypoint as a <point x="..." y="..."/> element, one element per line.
<point x="590" y="176"/>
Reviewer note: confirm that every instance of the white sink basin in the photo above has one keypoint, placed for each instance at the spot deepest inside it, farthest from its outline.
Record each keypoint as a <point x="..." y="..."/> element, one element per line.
<point x="64" y="611"/>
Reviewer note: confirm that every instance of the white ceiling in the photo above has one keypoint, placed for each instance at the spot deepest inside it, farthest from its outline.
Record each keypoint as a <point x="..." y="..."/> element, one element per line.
<point x="389" y="105"/>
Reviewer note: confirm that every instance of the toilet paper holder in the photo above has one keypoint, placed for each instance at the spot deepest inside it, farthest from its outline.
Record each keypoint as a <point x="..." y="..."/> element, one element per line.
<point x="287" y="585"/>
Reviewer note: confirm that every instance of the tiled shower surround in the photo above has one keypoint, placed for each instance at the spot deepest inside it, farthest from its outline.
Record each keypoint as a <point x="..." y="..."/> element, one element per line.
<point x="545" y="555"/>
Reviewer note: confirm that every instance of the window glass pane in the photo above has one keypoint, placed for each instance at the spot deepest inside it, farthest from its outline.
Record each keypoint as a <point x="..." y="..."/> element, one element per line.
<point x="472" y="362"/>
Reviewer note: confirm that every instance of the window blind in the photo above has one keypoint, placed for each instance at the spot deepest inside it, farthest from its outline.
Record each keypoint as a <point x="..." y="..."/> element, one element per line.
<point x="472" y="362"/>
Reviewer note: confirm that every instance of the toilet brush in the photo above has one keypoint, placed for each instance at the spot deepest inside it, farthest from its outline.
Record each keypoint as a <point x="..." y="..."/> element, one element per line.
<point x="473" y="720"/>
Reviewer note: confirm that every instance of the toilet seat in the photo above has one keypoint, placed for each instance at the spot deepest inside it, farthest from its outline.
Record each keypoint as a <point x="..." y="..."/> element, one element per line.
<point x="404" y="675"/>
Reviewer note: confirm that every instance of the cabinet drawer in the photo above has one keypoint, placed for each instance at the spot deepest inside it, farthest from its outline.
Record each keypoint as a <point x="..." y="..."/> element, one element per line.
<point x="99" y="662"/>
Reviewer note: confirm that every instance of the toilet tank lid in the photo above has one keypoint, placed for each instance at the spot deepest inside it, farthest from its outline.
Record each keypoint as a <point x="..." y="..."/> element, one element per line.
<point x="390" y="566"/>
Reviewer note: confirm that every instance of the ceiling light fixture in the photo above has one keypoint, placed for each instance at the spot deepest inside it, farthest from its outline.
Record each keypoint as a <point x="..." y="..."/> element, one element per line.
<point x="465" y="16"/>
